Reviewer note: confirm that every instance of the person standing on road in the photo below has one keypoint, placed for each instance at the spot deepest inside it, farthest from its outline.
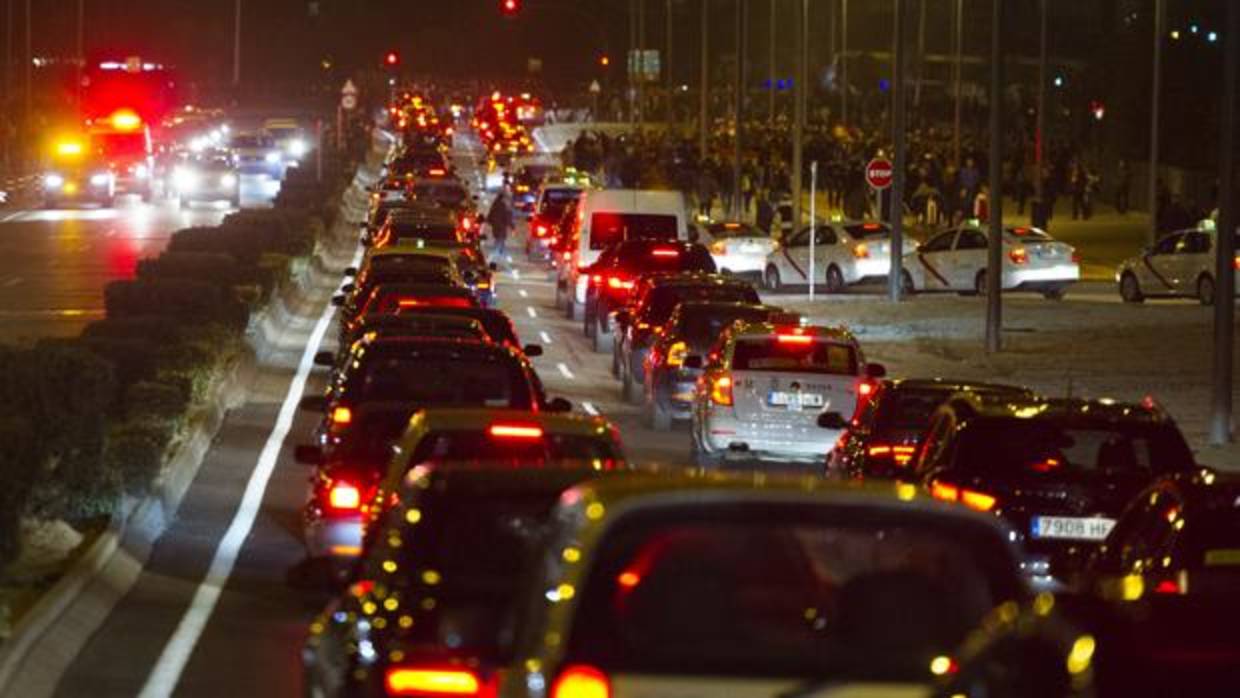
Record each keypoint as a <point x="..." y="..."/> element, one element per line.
<point x="766" y="212"/>
<point x="1123" y="187"/>
<point x="500" y="219"/>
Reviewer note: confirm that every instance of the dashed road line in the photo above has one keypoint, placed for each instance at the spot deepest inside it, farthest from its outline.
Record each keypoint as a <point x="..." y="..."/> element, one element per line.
<point x="523" y="293"/>
<point x="590" y="409"/>
<point x="546" y="338"/>
<point x="530" y="310"/>
<point x="564" y="371"/>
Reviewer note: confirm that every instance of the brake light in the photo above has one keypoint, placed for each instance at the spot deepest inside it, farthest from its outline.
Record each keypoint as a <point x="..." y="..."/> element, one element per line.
<point x="900" y="454"/>
<point x="793" y="339"/>
<point x="342" y="415"/>
<point x="568" y="256"/>
<point x="861" y="251"/>
<point x="664" y="253"/>
<point x="947" y="493"/>
<point x="676" y="354"/>
<point x="420" y="681"/>
<point x="978" y="501"/>
<point x="344" y="496"/>
<point x="1235" y="263"/>
<point x="865" y="389"/>
<point x="719" y="247"/>
<point x="515" y="431"/>
<point x="721" y="391"/>
<point x="540" y="230"/>
<point x="619" y="284"/>
<point x="1019" y="255"/>
<point x="437" y="172"/>
<point x="871" y="226"/>
<point x="581" y="681"/>
<point x="1167" y="586"/>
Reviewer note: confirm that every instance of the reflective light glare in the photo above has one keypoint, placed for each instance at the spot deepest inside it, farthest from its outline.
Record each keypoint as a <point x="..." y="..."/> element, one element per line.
<point x="515" y="431"/>
<point x="1082" y="654"/>
<point x="344" y="496"/>
<point x="342" y="415"/>
<point x="408" y="681"/>
<point x="580" y="681"/>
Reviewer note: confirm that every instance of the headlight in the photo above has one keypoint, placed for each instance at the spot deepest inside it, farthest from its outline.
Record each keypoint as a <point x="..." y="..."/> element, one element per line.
<point x="297" y="147"/>
<point x="272" y="157"/>
<point x="53" y="181"/>
<point x="184" y="179"/>
<point x="228" y="180"/>
<point x="99" y="180"/>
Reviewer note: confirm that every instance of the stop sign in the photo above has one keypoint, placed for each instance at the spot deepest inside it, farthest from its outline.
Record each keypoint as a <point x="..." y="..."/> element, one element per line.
<point x="878" y="173"/>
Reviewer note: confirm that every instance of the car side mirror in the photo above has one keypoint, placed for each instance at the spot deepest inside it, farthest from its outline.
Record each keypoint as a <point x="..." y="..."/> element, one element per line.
<point x="875" y="370"/>
<point x="559" y="405"/>
<point x="348" y="288"/>
<point x="338" y="301"/>
<point x="313" y="403"/>
<point x="532" y="350"/>
<point x="832" y="420"/>
<point x="308" y="455"/>
<point x="694" y="362"/>
<point x="325" y="358"/>
<point x="350" y="271"/>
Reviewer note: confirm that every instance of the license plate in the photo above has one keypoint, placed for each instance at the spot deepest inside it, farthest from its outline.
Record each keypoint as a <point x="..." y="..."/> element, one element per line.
<point x="1070" y="528"/>
<point x="795" y="401"/>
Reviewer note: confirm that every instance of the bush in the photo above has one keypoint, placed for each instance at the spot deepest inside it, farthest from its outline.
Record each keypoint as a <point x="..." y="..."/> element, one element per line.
<point x="213" y="267"/>
<point x="154" y="329"/>
<point x="151" y="401"/>
<point x="185" y="300"/>
<point x="135" y="454"/>
<point x="21" y="465"/>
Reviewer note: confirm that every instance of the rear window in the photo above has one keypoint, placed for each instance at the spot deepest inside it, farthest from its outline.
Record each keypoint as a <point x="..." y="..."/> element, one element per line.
<point x="1057" y="449"/>
<point x="662" y="301"/>
<point x="1028" y="234"/>
<point x="449" y="195"/>
<point x="371" y="438"/>
<point x="703" y="327"/>
<point x="761" y="590"/>
<point x="441" y="232"/>
<point x="862" y="231"/>
<point x="607" y="229"/>
<point x="794" y="356"/>
<point x="549" y="450"/>
<point x="735" y="230"/>
<point x="646" y="259"/>
<point x="909" y="409"/>
<point x="441" y="380"/>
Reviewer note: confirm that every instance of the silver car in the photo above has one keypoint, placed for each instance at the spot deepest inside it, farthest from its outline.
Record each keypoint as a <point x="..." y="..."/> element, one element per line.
<point x="1180" y="264"/>
<point x="776" y="393"/>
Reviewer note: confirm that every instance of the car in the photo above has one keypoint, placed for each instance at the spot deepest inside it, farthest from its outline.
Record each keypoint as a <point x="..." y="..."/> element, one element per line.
<point x="845" y="254"/>
<point x="290" y="138"/>
<point x="496" y="323"/>
<point x="410" y="225"/>
<point x="207" y="179"/>
<point x="546" y="216"/>
<point x="1180" y="536"/>
<point x="411" y="325"/>
<point x="700" y="585"/>
<point x="738" y="248"/>
<point x="654" y="299"/>
<point x="399" y="265"/>
<point x="956" y="260"/>
<point x="257" y="154"/>
<point x="442" y="192"/>
<point x="77" y="178"/>
<point x="608" y="217"/>
<point x="776" y="393"/>
<point x="1059" y="470"/>
<point x="692" y="329"/>
<point x="528" y="176"/>
<point x="1181" y="264"/>
<point x="884" y="433"/>
<point x="612" y="278"/>
<point x="392" y="297"/>
<point x="466" y="539"/>
<point x="420" y="372"/>
<point x="421" y="163"/>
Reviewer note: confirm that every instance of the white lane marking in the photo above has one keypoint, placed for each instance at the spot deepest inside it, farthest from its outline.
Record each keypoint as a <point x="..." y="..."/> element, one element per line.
<point x="530" y="309"/>
<point x="546" y="338"/>
<point x="10" y="283"/>
<point x="166" y="674"/>
<point x="523" y="293"/>
<point x="564" y="370"/>
<point x="508" y="258"/>
<point x="12" y="216"/>
<point x="590" y="409"/>
<point x="516" y="273"/>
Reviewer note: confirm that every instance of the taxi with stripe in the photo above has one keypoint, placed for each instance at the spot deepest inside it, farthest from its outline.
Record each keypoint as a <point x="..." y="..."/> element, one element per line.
<point x="845" y="253"/>
<point x="956" y="260"/>
<point x="1180" y="264"/>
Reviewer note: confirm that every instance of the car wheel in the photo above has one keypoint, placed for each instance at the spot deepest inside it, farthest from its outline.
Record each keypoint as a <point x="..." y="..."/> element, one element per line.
<point x="1130" y="288"/>
<point x="835" y="280"/>
<point x="659" y="418"/>
<point x="1054" y="294"/>
<point x="907" y="283"/>
<point x="615" y="360"/>
<point x="588" y="315"/>
<point x="1205" y="290"/>
<point x="771" y="279"/>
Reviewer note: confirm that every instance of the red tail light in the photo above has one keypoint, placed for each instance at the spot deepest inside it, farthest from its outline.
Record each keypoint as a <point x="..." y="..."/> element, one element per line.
<point x="344" y="496"/>
<point x="515" y="431"/>
<point x="432" y="681"/>
<point x="581" y="681"/>
<point x="665" y="253"/>
<point x="437" y="172"/>
<point x="342" y="416"/>
<point x="721" y="391"/>
<point x="794" y="339"/>
<point x="541" y="230"/>
<point x="619" y="284"/>
<point x="978" y="501"/>
<point x="902" y="455"/>
<point x="1167" y="586"/>
<point x="861" y="251"/>
<point x="1235" y="263"/>
<point x="1019" y="255"/>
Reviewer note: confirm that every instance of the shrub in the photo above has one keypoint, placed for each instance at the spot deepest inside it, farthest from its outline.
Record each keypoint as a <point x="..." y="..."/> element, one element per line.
<point x="151" y="401"/>
<point x="185" y="300"/>
<point x="21" y="462"/>
<point x="213" y="267"/>
<point x="154" y="329"/>
<point x="135" y="454"/>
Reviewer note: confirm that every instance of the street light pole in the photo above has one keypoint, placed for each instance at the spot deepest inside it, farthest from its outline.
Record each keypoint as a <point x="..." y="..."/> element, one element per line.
<point x="798" y="113"/>
<point x="1160" y="19"/>
<point x="236" y="77"/>
<point x="1040" y="147"/>
<point x="1225" y="243"/>
<point x="29" y="71"/>
<point x="957" y="76"/>
<point x="994" y="266"/>
<point x="739" y="108"/>
<point x="704" y="80"/>
<point x="771" y="72"/>
<point x="843" y="61"/>
<point x="895" y="277"/>
<point x="669" y="79"/>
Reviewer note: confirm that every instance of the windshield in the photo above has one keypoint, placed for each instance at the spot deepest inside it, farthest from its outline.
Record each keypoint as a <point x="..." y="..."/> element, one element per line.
<point x="795" y="356"/>
<point x="664" y="300"/>
<point x="863" y="231"/>
<point x="607" y="229"/>
<point x="1053" y="448"/>
<point x="650" y="259"/>
<point x="700" y="327"/>
<point x="547" y="450"/>
<point x="765" y="591"/>
<point x="905" y="409"/>
<point x="439" y="380"/>
<point x="250" y="142"/>
<point x="449" y="195"/>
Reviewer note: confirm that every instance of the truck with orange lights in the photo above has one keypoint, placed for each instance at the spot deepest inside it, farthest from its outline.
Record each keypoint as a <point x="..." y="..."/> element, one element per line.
<point x="76" y="173"/>
<point x="123" y="140"/>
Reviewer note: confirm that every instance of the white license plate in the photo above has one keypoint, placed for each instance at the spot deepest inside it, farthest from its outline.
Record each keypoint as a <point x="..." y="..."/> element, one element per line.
<point x="795" y="401"/>
<point x="1070" y="528"/>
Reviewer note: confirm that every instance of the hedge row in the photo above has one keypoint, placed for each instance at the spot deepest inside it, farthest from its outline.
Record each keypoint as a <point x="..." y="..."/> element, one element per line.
<point x="98" y="414"/>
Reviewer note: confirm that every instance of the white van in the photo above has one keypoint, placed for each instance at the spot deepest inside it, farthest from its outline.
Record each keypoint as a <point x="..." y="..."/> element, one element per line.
<point x="608" y="216"/>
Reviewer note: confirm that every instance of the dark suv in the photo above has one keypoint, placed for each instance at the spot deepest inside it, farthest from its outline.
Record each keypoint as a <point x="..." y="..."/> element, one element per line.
<point x="1059" y="470"/>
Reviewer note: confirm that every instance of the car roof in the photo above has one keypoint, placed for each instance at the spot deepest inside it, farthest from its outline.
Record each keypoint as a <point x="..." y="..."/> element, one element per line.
<point x="748" y="330"/>
<point x="1098" y="411"/>
<point x="695" y="278"/>
<point x="953" y="385"/>
<point x="709" y="305"/>
<point x="423" y="290"/>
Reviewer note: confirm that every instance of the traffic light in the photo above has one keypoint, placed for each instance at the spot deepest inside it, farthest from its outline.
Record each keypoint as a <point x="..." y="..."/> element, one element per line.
<point x="604" y="60"/>
<point x="510" y="8"/>
<point x="392" y="59"/>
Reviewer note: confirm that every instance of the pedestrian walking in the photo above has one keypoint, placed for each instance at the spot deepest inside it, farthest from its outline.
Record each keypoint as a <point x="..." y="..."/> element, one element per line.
<point x="499" y="217"/>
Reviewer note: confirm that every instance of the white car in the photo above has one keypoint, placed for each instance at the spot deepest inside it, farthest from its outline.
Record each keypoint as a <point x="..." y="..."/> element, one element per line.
<point x="737" y="248"/>
<point x="845" y="254"/>
<point x="1180" y="264"/>
<point x="956" y="260"/>
<point x="773" y="392"/>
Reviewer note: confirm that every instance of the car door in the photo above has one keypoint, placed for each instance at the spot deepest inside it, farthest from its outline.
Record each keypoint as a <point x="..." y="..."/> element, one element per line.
<point x="827" y="251"/>
<point x="968" y="258"/>
<point x="1157" y="269"/>
<point x="1192" y="259"/>
<point x="932" y="259"/>
<point x="794" y="258"/>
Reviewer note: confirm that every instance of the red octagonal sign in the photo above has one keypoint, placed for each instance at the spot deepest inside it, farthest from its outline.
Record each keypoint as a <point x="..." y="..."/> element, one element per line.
<point x="878" y="173"/>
